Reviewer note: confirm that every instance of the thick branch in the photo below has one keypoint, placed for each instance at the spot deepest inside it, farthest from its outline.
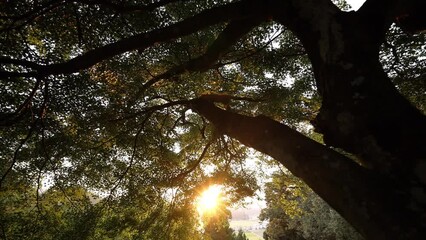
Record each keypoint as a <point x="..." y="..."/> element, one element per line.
<point x="228" y="37"/>
<point x="360" y="105"/>
<point x="238" y="10"/>
<point x="412" y="17"/>
<point x="24" y="63"/>
<point x="379" y="14"/>
<point x="338" y="180"/>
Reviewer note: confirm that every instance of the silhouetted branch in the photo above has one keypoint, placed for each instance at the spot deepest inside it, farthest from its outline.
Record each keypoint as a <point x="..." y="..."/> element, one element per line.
<point x="238" y="10"/>
<point x="15" y="154"/>
<point x="228" y="37"/>
<point x="153" y="109"/>
<point x="250" y="54"/>
<point x="30" y="16"/>
<point x="24" y="63"/>
<point x="194" y="165"/>
<point x="132" y="158"/>
<point x="10" y="119"/>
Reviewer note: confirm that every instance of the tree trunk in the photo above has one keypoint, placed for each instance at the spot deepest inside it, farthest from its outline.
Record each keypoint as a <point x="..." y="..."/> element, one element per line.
<point x="373" y="203"/>
<point x="362" y="113"/>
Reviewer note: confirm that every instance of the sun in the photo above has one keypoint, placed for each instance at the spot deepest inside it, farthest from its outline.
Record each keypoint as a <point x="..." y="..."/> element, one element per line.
<point x="208" y="201"/>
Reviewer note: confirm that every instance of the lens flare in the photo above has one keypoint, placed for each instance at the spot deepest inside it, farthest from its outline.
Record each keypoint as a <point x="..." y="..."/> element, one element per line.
<point x="209" y="200"/>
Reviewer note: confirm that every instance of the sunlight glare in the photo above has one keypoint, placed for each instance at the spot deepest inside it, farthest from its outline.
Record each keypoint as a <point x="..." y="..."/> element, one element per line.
<point x="209" y="199"/>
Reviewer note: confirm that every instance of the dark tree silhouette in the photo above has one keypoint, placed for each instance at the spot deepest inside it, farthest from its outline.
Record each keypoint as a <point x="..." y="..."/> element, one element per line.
<point x="361" y="110"/>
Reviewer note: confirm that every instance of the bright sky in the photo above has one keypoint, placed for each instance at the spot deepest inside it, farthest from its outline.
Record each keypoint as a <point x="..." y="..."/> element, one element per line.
<point x="355" y="3"/>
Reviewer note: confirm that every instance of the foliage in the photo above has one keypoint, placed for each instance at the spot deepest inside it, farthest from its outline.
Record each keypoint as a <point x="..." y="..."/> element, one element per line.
<point x="215" y="222"/>
<point x="120" y="130"/>
<point x="400" y="58"/>
<point x="240" y="235"/>
<point x="74" y="213"/>
<point x="294" y="211"/>
<point x="90" y="130"/>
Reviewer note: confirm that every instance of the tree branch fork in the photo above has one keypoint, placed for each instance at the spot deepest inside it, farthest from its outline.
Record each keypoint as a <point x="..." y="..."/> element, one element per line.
<point x="378" y="198"/>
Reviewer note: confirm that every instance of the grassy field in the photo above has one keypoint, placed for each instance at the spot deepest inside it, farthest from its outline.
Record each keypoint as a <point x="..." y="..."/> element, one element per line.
<point x="253" y="236"/>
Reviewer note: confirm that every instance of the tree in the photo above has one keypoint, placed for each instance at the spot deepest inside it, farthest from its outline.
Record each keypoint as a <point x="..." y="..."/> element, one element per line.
<point x="74" y="213"/>
<point x="214" y="214"/>
<point x="104" y="94"/>
<point x="216" y="226"/>
<point x="240" y="235"/>
<point x="295" y="212"/>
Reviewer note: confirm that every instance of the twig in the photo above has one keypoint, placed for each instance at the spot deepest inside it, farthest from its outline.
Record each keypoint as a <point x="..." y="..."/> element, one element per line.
<point x="11" y="119"/>
<point x="121" y="177"/>
<point x="250" y="54"/>
<point x="229" y="36"/>
<point x="15" y="154"/>
<point x="183" y="174"/>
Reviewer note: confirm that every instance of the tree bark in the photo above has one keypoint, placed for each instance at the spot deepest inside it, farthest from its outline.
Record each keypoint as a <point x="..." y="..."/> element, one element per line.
<point x="362" y="113"/>
<point x="360" y="106"/>
<point x="376" y="205"/>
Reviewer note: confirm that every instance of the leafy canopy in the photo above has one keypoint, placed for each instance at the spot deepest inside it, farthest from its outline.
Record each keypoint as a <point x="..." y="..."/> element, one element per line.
<point x="110" y="148"/>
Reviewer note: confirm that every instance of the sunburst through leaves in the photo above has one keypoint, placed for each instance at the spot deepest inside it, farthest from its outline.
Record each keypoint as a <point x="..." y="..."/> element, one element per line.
<point x="209" y="200"/>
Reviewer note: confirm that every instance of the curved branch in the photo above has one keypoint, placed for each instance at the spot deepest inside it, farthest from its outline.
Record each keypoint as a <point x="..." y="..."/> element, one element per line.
<point x="380" y="14"/>
<point x="132" y="159"/>
<point x="244" y="10"/>
<point x="238" y="10"/>
<point x="379" y="202"/>
<point x="10" y="119"/>
<point x="152" y="109"/>
<point x="16" y="152"/>
<point x="191" y="168"/>
<point x="249" y="54"/>
<point x="20" y="62"/>
<point x="32" y="15"/>
<point x="36" y="11"/>
<point x="412" y="18"/>
<point x="11" y="75"/>
<point x="228" y="37"/>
